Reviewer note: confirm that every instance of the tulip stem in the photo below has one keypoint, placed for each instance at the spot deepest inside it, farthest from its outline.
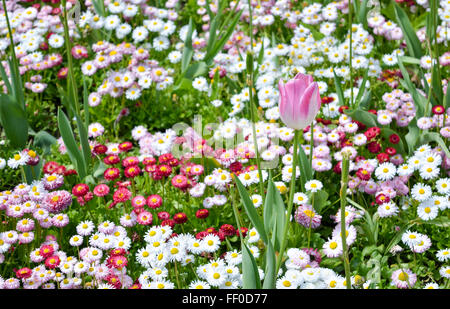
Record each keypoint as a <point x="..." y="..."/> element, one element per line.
<point x="343" y="195"/>
<point x="350" y="21"/>
<point x="290" y="204"/>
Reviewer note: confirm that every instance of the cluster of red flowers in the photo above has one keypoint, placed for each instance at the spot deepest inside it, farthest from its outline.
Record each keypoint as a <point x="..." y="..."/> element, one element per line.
<point x="226" y="230"/>
<point x="52" y="167"/>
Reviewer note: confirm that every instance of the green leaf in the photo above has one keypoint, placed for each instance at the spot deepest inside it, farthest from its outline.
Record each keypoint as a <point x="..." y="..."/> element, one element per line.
<point x="251" y="211"/>
<point x="427" y="137"/>
<point x="412" y="136"/>
<point x="14" y="121"/>
<point x="85" y="147"/>
<point x="5" y="79"/>
<point x="440" y="221"/>
<point x="320" y="200"/>
<point x="196" y="69"/>
<point x="188" y="51"/>
<point x="412" y="41"/>
<point x="362" y="89"/>
<point x="365" y="102"/>
<point x="33" y="172"/>
<point x="306" y="173"/>
<point x="447" y="99"/>
<point x="366" y="118"/>
<point x="250" y="274"/>
<point x="340" y="93"/>
<point x="269" y="274"/>
<point x="274" y="214"/>
<point x="69" y="141"/>
<point x="436" y="82"/>
<point x="44" y="140"/>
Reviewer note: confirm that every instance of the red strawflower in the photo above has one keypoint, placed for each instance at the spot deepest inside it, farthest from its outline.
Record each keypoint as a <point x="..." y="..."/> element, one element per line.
<point x="374" y="147"/>
<point x="130" y="161"/>
<point x="24" y="273"/>
<point x="228" y="229"/>
<point x="390" y="151"/>
<point x="111" y="159"/>
<point x="165" y="158"/>
<point x="163" y="215"/>
<point x="359" y="158"/>
<point x="235" y="167"/>
<point x="80" y="189"/>
<point x="202" y="213"/>
<point x="150" y="168"/>
<point x="61" y="170"/>
<point x="101" y="190"/>
<point x="180" y="182"/>
<point x="149" y="161"/>
<point x="394" y="138"/>
<point x="88" y="196"/>
<point x="52" y="261"/>
<point x="174" y="162"/>
<point x="132" y="171"/>
<point x="381" y="199"/>
<point x="121" y="195"/>
<point x="50" y="167"/>
<point x="244" y="231"/>
<point x="100" y="149"/>
<point x="114" y="281"/>
<point x="180" y="218"/>
<point x="125" y="146"/>
<point x="118" y="261"/>
<point x="111" y="173"/>
<point x="338" y="168"/>
<point x="154" y="201"/>
<point x="70" y="172"/>
<point x="135" y="286"/>
<point x="438" y="109"/>
<point x="118" y="251"/>
<point x="201" y="235"/>
<point x="342" y="108"/>
<point x="363" y="174"/>
<point x="210" y="230"/>
<point x="382" y="157"/>
<point x="144" y="218"/>
<point x="164" y="170"/>
<point x="46" y="251"/>
<point x="168" y="222"/>
<point x="373" y="111"/>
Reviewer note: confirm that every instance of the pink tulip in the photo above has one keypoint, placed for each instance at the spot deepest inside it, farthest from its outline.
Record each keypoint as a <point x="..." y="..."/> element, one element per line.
<point x="299" y="101"/>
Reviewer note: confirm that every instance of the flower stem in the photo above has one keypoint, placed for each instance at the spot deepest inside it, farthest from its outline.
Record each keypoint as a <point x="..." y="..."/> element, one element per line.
<point x="290" y="204"/>
<point x="343" y="196"/>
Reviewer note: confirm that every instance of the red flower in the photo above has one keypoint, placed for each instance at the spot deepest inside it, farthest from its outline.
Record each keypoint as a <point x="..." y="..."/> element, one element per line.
<point x="101" y="190"/>
<point x="244" y="231"/>
<point x="342" y="109"/>
<point x="168" y="222"/>
<point x="24" y="273"/>
<point x="52" y="262"/>
<point x="165" y="158"/>
<point x="163" y="215"/>
<point x="164" y="170"/>
<point x="132" y="171"/>
<point x="235" y="167"/>
<point x="228" y="230"/>
<point x="180" y="218"/>
<point x="130" y="161"/>
<point x="382" y="157"/>
<point x="100" y="149"/>
<point x="111" y="159"/>
<point x="202" y="213"/>
<point x="125" y="146"/>
<point x="144" y="218"/>
<point x="118" y="251"/>
<point x="118" y="261"/>
<point x="381" y="199"/>
<point x="438" y="109"/>
<point x="111" y="173"/>
<point x="390" y="151"/>
<point x="210" y="230"/>
<point x="121" y="195"/>
<point x="180" y="182"/>
<point x="154" y="201"/>
<point x="374" y="147"/>
<point x="46" y="251"/>
<point x="80" y="189"/>
<point x="174" y="162"/>
<point x="149" y="161"/>
<point x="114" y="281"/>
<point x="70" y="172"/>
<point x="394" y="138"/>
<point x="201" y="235"/>
<point x="50" y="167"/>
<point x="363" y="174"/>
